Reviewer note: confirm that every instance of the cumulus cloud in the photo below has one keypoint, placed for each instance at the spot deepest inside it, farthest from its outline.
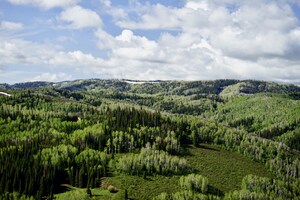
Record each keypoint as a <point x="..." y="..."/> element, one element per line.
<point x="128" y="45"/>
<point x="52" y="77"/>
<point x="193" y="15"/>
<point x="74" y="58"/>
<point x="168" y="18"/>
<point x="197" y="5"/>
<point x="79" y="18"/>
<point x="168" y="58"/>
<point x="116" y="12"/>
<point x="215" y="39"/>
<point x="10" y="26"/>
<point x="204" y="39"/>
<point x="46" y="4"/>
<point x="18" y="51"/>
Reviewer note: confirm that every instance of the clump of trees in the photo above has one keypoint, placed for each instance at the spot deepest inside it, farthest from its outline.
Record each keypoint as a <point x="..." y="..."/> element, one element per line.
<point x="186" y="195"/>
<point x="151" y="161"/>
<point x="90" y="166"/>
<point x="193" y="186"/>
<point x="194" y="182"/>
<point x="15" y="196"/>
<point x="52" y="136"/>
<point x="254" y="187"/>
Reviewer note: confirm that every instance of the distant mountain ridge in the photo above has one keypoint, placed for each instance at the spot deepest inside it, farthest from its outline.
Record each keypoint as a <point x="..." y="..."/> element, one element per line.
<point x="267" y="109"/>
<point x="224" y="87"/>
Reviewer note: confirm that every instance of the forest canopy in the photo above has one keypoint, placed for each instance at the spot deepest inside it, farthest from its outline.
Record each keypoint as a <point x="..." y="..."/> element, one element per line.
<point x="81" y="134"/>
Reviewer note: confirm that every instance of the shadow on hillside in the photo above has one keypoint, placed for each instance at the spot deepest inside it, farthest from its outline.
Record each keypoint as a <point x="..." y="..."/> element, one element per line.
<point x="215" y="191"/>
<point x="147" y="178"/>
<point x="208" y="148"/>
<point x="185" y="150"/>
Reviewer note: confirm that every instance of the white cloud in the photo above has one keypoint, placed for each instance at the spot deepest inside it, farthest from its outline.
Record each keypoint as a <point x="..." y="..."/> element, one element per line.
<point x="154" y="17"/>
<point x="106" y="3"/>
<point x="196" y="5"/>
<point x="52" y="77"/>
<point x="251" y="39"/>
<point x="252" y="30"/>
<point x="215" y="39"/>
<point x="22" y="52"/>
<point x="17" y="51"/>
<point x="10" y="26"/>
<point x="115" y="12"/>
<point x="168" y="58"/>
<point x="74" y="58"/>
<point x="79" y="18"/>
<point x="129" y="46"/>
<point x="46" y="4"/>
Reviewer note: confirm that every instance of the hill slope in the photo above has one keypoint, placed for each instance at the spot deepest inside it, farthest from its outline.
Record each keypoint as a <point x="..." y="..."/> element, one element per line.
<point x="78" y="133"/>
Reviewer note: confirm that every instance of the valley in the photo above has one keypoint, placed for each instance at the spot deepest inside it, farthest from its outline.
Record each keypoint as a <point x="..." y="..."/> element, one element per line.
<point x="125" y="139"/>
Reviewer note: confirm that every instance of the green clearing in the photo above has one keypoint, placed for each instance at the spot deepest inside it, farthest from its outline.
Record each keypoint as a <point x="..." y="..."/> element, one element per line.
<point x="64" y="137"/>
<point x="80" y="193"/>
<point x="145" y="188"/>
<point x="224" y="170"/>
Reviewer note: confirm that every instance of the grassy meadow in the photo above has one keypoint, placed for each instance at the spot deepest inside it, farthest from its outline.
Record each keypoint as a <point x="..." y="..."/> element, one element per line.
<point x="224" y="170"/>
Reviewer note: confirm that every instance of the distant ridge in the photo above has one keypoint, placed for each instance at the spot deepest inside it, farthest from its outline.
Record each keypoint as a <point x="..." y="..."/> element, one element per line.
<point x="224" y="87"/>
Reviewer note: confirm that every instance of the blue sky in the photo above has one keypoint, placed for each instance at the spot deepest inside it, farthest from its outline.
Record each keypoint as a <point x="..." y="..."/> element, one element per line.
<point x="42" y="40"/>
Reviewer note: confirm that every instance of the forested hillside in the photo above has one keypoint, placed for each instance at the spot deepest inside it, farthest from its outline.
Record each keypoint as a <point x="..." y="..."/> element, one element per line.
<point x="96" y="139"/>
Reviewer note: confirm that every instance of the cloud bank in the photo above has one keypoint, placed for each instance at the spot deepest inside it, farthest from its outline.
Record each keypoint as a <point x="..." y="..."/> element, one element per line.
<point x="79" y="18"/>
<point x="10" y="26"/>
<point x="205" y="39"/>
<point x="45" y="4"/>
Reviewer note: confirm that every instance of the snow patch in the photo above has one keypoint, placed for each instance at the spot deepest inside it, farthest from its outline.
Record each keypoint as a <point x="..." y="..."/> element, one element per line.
<point x="5" y="94"/>
<point x="139" y="82"/>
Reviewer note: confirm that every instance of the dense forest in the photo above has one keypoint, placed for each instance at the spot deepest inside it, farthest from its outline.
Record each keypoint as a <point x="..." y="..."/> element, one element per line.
<point x="95" y="139"/>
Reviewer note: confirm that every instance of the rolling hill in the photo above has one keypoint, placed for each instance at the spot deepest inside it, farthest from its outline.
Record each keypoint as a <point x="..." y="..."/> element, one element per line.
<point x="111" y="134"/>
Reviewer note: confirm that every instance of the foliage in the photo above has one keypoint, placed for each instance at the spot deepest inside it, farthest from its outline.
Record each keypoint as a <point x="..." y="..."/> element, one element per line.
<point x="194" y="182"/>
<point x="185" y="194"/>
<point x="80" y="194"/>
<point x="144" y="188"/>
<point x="254" y="187"/>
<point x="150" y="161"/>
<point x="56" y="156"/>
<point x="192" y="186"/>
<point x="225" y="170"/>
<point x="266" y="115"/>
<point x="15" y="196"/>
<point x="79" y="132"/>
<point x="112" y="189"/>
<point x="245" y="195"/>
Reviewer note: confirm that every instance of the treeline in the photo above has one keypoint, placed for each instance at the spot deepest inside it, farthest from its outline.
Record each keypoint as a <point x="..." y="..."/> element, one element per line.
<point x="267" y="115"/>
<point x="45" y="144"/>
<point x="41" y="173"/>
<point x="47" y="141"/>
<point x="151" y="161"/>
<point x="276" y="156"/>
<point x="15" y="196"/>
<point x="255" y="187"/>
<point x="192" y="186"/>
<point x="254" y="147"/>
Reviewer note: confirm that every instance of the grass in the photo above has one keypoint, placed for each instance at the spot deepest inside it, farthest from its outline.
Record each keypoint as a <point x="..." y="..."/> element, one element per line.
<point x="145" y="188"/>
<point x="267" y="110"/>
<point x="81" y="194"/>
<point x="224" y="170"/>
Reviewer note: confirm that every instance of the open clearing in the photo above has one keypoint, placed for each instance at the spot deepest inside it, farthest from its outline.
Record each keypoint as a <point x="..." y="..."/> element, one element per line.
<point x="224" y="170"/>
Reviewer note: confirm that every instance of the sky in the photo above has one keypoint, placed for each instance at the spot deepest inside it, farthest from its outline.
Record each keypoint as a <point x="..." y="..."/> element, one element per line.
<point x="57" y="40"/>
